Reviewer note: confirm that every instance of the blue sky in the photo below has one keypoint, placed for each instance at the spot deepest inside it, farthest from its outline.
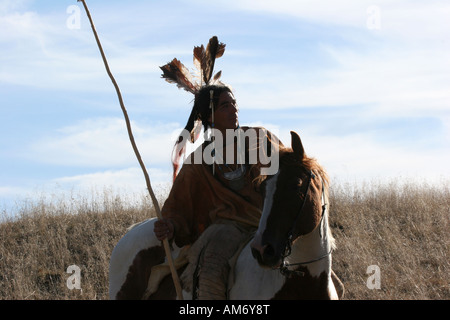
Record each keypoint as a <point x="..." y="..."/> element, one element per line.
<point x="365" y="84"/>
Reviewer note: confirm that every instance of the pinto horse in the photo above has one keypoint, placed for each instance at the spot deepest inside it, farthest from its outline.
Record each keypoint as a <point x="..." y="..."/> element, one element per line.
<point x="288" y="258"/>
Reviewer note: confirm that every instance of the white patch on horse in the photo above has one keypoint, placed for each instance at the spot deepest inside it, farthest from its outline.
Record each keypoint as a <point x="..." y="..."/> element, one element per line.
<point x="253" y="282"/>
<point x="271" y="186"/>
<point x="139" y="237"/>
<point x="332" y="290"/>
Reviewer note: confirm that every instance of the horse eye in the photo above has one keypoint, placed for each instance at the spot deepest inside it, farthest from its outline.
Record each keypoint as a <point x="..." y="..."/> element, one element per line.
<point x="296" y="185"/>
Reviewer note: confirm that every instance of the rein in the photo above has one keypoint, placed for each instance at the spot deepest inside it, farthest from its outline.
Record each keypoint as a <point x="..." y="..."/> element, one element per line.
<point x="288" y="249"/>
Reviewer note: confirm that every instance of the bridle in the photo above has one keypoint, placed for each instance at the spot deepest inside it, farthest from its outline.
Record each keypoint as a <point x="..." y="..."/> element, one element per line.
<point x="284" y="267"/>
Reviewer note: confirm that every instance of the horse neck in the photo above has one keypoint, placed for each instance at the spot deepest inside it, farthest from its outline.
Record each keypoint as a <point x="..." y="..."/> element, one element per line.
<point x="314" y="245"/>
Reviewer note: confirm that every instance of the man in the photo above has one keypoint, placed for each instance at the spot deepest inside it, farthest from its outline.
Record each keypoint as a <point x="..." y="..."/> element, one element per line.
<point x="220" y="203"/>
<point x="214" y="204"/>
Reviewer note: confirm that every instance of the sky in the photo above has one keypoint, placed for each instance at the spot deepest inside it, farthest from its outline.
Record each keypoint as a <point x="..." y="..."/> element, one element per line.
<point x="364" y="83"/>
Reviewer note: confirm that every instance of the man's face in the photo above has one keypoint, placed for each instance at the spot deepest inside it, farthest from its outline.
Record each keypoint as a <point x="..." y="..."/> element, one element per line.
<point x="226" y="112"/>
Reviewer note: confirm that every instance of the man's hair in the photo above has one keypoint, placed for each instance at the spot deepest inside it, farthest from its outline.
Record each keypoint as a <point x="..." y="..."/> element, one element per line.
<point x="200" y="112"/>
<point x="202" y="103"/>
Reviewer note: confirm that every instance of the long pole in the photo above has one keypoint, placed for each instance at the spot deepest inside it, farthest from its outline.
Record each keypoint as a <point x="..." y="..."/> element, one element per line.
<point x="167" y="250"/>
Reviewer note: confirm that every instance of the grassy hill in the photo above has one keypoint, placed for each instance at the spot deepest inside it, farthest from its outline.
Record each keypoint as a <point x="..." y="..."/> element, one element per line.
<point x="402" y="228"/>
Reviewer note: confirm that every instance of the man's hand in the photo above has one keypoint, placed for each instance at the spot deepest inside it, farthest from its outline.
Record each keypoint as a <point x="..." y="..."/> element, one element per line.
<point x="163" y="229"/>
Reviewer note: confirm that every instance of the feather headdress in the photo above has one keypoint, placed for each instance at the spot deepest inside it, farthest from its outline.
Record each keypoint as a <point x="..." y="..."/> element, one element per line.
<point x="176" y="72"/>
<point x="204" y="60"/>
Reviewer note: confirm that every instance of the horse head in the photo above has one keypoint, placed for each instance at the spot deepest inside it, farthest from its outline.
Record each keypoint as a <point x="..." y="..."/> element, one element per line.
<point x="292" y="205"/>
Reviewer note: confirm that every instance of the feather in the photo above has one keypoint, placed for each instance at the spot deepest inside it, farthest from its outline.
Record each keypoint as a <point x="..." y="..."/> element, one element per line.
<point x="177" y="153"/>
<point x="176" y="72"/>
<point x="214" y="50"/>
<point x="195" y="133"/>
<point x="220" y="50"/>
<point x="199" y="53"/>
<point x="209" y="59"/>
<point x="217" y="76"/>
<point x="204" y="59"/>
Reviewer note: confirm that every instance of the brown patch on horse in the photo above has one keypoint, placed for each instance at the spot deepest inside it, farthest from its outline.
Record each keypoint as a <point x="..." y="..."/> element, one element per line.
<point x="312" y="190"/>
<point x="296" y="205"/>
<point x="138" y="273"/>
<point x="304" y="287"/>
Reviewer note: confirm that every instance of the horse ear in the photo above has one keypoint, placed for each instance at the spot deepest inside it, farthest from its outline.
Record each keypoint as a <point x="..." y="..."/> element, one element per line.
<point x="297" y="146"/>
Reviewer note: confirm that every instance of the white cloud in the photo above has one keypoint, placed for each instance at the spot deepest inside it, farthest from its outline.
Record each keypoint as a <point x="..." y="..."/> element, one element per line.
<point x="96" y="190"/>
<point x="360" y="157"/>
<point x="7" y="191"/>
<point x="397" y="84"/>
<point x="7" y="6"/>
<point x="36" y="44"/>
<point x="127" y="184"/>
<point x="415" y="20"/>
<point x="400" y="70"/>
<point x="128" y="181"/>
<point x="406" y="63"/>
<point x="395" y="80"/>
<point x="104" y="142"/>
<point x="403" y="68"/>
<point x="328" y="12"/>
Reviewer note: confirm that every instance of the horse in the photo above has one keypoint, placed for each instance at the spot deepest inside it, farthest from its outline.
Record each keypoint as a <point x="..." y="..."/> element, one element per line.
<point x="289" y="257"/>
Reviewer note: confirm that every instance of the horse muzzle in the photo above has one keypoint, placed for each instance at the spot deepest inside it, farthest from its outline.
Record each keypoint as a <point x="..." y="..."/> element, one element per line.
<point x="265" y="253"/>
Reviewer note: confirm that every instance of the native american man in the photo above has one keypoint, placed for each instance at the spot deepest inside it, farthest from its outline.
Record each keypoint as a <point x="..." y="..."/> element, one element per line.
<point x="214" y="206"/>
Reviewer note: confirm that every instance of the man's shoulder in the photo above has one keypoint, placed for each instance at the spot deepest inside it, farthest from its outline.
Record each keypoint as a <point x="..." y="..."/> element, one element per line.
<point x="263" y="133"/>
<point x="245" y="128"/>
<point x="259" y="130"/>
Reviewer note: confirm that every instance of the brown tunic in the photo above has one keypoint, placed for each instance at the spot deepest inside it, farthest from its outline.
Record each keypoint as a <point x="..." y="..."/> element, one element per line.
<point x="198" y="198"/>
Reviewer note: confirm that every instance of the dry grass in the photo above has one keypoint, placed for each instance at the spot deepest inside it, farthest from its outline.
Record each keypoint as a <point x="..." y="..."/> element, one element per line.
<point x="37" y="248"/>
<point x="400" y="227"/>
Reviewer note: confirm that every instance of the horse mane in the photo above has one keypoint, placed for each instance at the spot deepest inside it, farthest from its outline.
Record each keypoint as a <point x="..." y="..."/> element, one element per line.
<point x="286" y="156"/>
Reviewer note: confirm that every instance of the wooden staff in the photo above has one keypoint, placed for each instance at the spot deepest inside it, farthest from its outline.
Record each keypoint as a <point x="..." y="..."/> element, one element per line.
<point x="175" y="278"/>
